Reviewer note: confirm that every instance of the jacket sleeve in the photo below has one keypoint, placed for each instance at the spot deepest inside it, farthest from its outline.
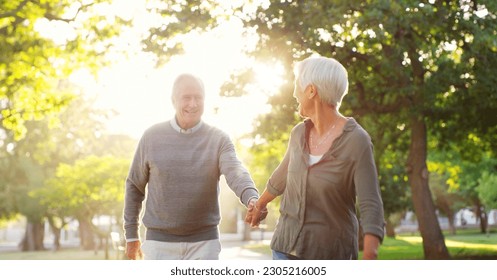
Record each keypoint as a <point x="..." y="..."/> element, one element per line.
<point x="368" y="193"/>
<point x="135" y="191"/>
<point x="276" y="184"/>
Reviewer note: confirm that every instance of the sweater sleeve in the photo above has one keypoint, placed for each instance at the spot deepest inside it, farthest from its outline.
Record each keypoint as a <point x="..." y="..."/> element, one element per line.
<point x="237" y="176"/>
<point x="368" y="193"/>
<point x="135" y="191"/>
<point x="276" y="184"/>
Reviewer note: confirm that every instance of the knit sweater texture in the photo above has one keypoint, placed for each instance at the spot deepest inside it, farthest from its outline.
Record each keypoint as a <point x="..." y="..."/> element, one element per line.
<point x="177" y="175"/>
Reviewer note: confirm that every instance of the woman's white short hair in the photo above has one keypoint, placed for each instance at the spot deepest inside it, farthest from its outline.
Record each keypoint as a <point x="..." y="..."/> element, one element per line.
<point x="326" y="74"/>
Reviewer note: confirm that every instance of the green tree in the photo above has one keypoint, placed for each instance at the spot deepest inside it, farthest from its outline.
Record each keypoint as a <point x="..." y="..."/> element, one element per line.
<point x="487" y="190"/>
<point x="469" y="184"/>
<point x="444" y="178"/>
<point x="31" y="161"/>
<point x="459" y="163"/>
<point x="19" y="175"/>
<point x="42" y="43"/>
<point x="34" y="158"/>
<point x="91" y="187"/>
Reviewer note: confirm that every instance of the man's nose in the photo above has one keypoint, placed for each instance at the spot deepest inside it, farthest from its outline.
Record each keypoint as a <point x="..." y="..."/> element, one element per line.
<point x="193" y="103"/>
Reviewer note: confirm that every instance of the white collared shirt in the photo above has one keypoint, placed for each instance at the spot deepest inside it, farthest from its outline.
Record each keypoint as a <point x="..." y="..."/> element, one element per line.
<point x="313" y="159"/>
<point x="175" y="125"/>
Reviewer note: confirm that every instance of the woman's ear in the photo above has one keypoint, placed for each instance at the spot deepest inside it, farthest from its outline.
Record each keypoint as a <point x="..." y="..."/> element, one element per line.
<point x="313" y="91"/>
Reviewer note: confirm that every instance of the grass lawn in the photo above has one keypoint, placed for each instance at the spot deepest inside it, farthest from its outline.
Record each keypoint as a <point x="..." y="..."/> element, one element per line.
<point x="465" y="245"/>
<point x="62" y="254"/>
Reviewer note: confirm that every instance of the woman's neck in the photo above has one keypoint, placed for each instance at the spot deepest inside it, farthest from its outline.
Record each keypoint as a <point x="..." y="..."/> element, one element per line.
<point x="325" y="118"/>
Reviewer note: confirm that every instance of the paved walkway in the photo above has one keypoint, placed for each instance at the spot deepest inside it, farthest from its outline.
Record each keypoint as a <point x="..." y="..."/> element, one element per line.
<point x="233" y="248"/>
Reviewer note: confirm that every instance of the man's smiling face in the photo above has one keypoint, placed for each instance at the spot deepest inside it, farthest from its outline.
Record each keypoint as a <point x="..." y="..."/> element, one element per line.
<point x="189" y="104"/>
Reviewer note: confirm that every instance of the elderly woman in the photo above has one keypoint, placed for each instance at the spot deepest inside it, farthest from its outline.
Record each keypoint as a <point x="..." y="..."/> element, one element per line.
<point x="328" y="164"/>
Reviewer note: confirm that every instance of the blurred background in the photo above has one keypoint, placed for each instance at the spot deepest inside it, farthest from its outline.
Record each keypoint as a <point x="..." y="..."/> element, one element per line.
<point x="80" y="80"/>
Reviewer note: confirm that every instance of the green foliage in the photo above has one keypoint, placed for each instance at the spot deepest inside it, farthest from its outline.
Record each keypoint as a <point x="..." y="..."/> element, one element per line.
<point x="42" y="43"/>
<point x="178" y="18"/>
<point x="390" y="163"/>
<point x="91" y="186"/>
<point x="19" y="175"/>
<point x="471" y="174"/>
<point x="487" y="190"/>
<point x="27" y="163"/>
<point x="264" y="158"/>
<point x="456" y="182"/>
<point x="449" y="170"/>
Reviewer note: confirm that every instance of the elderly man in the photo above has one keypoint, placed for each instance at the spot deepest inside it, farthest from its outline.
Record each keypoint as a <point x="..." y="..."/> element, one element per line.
<point x="177" y="166"/>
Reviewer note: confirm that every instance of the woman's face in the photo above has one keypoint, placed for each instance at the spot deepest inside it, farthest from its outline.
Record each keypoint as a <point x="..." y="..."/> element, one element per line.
<point x="302" y="100"/>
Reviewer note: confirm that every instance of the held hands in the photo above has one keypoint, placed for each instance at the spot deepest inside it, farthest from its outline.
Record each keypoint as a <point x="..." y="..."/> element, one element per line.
<point x="255" y="213"/>
<point x="133" y="250"/>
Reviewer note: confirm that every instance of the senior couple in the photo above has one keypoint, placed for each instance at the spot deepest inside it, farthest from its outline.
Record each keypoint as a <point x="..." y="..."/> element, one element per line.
<point x="328" y="165"/>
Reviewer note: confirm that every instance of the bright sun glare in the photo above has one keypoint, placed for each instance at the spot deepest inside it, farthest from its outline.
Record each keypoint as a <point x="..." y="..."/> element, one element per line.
<point x="140" y="93"/>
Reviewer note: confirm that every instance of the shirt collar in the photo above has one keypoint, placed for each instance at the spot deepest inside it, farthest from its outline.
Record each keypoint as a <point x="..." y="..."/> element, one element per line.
<point x="349" y="125"/>
<point x="175" y="125"/>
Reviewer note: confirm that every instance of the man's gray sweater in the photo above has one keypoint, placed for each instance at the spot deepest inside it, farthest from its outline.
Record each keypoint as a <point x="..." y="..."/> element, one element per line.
<point x="179" y="174"/>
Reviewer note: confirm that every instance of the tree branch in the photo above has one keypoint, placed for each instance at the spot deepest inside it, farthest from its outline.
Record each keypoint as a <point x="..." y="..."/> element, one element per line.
<point x="15" y="11"/>
<point x="44" y="111"/>
<point x="50" y="16"/>
<point x="372" y="107"/>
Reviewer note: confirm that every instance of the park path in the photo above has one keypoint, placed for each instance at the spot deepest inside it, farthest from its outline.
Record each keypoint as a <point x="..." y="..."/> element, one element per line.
<point x="233" y="247"/>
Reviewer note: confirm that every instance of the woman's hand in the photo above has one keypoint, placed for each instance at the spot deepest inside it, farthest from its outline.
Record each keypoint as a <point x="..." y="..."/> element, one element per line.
<point x="255" y="213"/>
<point x="371" y="244"/>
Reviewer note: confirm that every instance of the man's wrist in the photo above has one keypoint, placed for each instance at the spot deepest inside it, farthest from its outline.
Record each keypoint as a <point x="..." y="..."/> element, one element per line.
<point x="132" y="240"/>
<point x="252" y="199"/>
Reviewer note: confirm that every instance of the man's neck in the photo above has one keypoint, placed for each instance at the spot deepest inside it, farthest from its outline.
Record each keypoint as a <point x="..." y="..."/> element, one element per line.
<point x="185" y="128"/>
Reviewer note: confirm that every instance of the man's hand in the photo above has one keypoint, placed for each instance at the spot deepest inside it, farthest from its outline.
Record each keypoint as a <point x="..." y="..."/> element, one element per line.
<point x="133" y="250"/>
<point x="255" y="213"/>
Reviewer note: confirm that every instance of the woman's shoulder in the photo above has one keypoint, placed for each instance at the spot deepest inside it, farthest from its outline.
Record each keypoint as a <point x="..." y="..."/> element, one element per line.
<point x="356" y="131"/>
<point x="299" y="128"/>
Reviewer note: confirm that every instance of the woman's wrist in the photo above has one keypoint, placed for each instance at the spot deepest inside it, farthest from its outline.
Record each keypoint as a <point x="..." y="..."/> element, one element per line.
<point x="259" y="206"/>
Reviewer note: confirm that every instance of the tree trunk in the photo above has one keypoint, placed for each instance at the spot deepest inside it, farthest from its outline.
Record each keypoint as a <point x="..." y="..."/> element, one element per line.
<point x="452" y="224"/>
<point x="86" y="235"/>
<point x="247" y="232"/>
<point x="433" y="240"/>
<point x="56" y="238"/>
<point x="33" y="236"/>
<point x="390" y="229"/>
<point x="481" y="216"/>
<point x="56" y="232"/>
